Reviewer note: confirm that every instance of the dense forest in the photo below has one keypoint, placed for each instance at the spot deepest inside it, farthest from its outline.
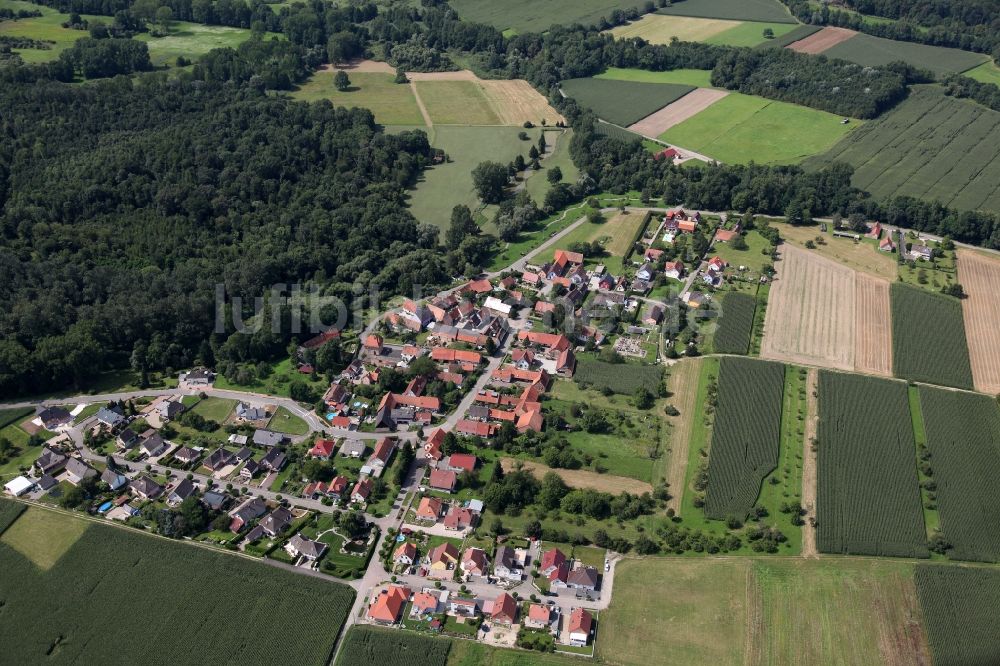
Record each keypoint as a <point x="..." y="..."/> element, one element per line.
<point x="125" y="202"/>
<point x="972" y="25"/>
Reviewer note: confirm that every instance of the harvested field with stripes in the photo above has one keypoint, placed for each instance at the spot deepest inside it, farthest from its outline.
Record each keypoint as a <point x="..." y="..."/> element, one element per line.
<point x="980" y="277"/>
<point x="660" y="29"/>
<point x="821" y="41"/>
<point x="811" y="312"/>
<point x="687" y="106"/>
<point x="873" y="328"/>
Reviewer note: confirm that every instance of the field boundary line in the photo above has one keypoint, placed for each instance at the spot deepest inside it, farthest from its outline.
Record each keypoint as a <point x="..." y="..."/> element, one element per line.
<point x="420" y="104"/>
<point x="809" y="467"/>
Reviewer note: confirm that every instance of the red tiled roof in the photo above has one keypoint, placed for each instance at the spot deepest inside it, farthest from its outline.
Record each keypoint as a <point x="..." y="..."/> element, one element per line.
<point x="389" y="603"/>
<point x="429" y="508"/>
<point x="443" y="479"/>
<point x="580" y="621"/>
<point x="323" y="448"/>
<point x="469" y="427"/>
<point x="505" y="608"/>
<point x="464" y="461"/>
<point x="447" y="355"/>
<point x="552" y="558"/>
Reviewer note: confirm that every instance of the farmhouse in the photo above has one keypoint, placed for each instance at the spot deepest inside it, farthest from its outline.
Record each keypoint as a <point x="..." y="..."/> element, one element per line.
<point x="886" y="244"/>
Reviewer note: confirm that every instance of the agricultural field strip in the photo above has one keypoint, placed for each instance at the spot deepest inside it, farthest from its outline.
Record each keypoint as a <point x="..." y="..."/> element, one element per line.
<point x="623" y="102"/>
<point x="940" y="143"/>
<point x="980" y="276"/>
<point x="873" y="326"/>
<point x="736" y="324"/>
<point x="959" y="608"/>
<point x="818" y="42"/>
<point x="963" y="435"/>
<point x="740" y="10"/>
<point x="746" y="436"/>
<point x="871" y="51"/>
<point x="928" y="338"/>
<point x="868" y="499"/>
<point x="683" y="384"/>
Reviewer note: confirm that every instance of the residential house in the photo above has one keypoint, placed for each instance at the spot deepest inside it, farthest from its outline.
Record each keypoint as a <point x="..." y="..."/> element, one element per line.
<point x="145" y="488"/>
<point x="459" y="607"/>
<point x="311" y="550"/>
<point x="77" y="471"/>
<point x="559" y="575"/>
<point x="566" y="363"/>
<point x="362" y="491"/>
<point x="185" y="488"/>
<point x="886" y="244"/>
<point x="646" y="272"/>
<point x="582" y="578"/>
<point x="459" y="518"/>
<point x="199" y="377"/>
<point x="506" y="565"/>
<point x="477" y="428"/>
<point x="218" y="460"/>
<point x="504" y="610"/>
<point x="127" y="439"/>
<point x="388" y="604"/>
<point x="424" y="604"/>
<point x="268" y="438"/>
<point x="275" y="522"/>
<point x="674" y="269"/>
<point x="186" y="455"/>
<point x="921" y="252"/>
<point x="243" y="454"/>
<point x="50" y="461"/>
<point x="169" y="409"/>
<point x="551" y="559"/>
<point x="352" y="448"/>
<point x="652" y="254"/>
<point x="432" y="447"/>
<point x="249" y="470"/>
<point x="726" y="235"/>
<point x="479" y="413"/>
<point x="238" y="440"/>
<point x="380" y="457"/>
<point x="653" y="316"/>
<point x="214" y="500"/>
<point x="497" y="307"/>
<point x="246" y="511"/>
<point x="323" y="448"/>
<point x="336" y="396"/>
<point x="110" y="416"/>
<point x="245" y="412"/>
<point x="52" y="418"/>
<point x="374" y="343"/>
<point x="338" y="486"/>
<point x="152" y="444"/>
<point x="114" y="480"/>
<point x="405" y="554"/>
<point x="444" y="480"/>
<point x="441" y="560"/>
<point x="580" y="625"/>
<point x="523" y="359"/>
<point x="539" y="616"/>
<point x="461" y="462"/>
<point x="273" y="460"/>
<point x="474" y="562"/>
<point x="429" y="509"/>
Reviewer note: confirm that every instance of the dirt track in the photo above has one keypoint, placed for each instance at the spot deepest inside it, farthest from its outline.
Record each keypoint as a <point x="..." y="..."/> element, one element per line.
<point x="873" y="327"/>
<point x="683" y="384"/>
<point x="809" y="474"/>
<point x="578" y="478"/>
<point x="811" y="311"/>
<point x="677" y="112"/>
<point x="980" y="277"/>
<point x="823" y="40"/>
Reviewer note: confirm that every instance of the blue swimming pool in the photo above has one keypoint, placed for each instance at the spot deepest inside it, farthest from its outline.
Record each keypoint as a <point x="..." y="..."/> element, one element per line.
<point x="104" y="507"/>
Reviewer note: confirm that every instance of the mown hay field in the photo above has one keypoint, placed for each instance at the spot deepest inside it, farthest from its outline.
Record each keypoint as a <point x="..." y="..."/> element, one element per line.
<point x="963" y="435"/>
<point x="392" y="103"/>
<point x="623" y="102"/>
<point x="872" y="51"/>
<point x="868" y="499"/>
<point x="746" y="436"/>
<point x="873" y="328"/>
<point x="660" y="29"/>
<point x="979" y="275"/>
<point x="756" y="611"/>
<point x="738" y="10"/>
<point x="736" y="324"/>
<point x="811" y="311"/>
<point x="928" y="338"/>
<point x="739" y="128"/>
<point x="932" y="147"/>
<point x="117" y="596"/>
<point x="959" y="608"/>
<point x="372" y="646"/>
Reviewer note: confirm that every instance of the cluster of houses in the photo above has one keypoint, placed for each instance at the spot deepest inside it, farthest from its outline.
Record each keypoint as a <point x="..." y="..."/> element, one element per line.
<point x="340" y="489"/>
<point x="388" y="606"/>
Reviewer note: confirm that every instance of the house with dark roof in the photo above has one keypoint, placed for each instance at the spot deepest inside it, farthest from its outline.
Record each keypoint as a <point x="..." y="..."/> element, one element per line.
<point x="582" y="578"/>
<point x="273" y="460"/>
<point x="53" y="417"/>
<point x="218" y="459"/>
<point x="275" y="522"/>
<point x="77" y="471"/>
<point x="186" y="455"/>
<point x="110" y="416"/>
<point x="298" y="545"/>
<point x="245" y="412"/>
<point x="145" y="488"/>
<point x="50" y="461"/>
<point x="170" y="409"/>
<point x="185" y="488"/>
<point x="214" y="500"/>
<point x="268" y="438"/>
<point x="249" y="469"/>
<point x="248" y="509"/>
<point x="127" y="439"/>
<point x="153" y="444"/>
<point x="114" y="480"/>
